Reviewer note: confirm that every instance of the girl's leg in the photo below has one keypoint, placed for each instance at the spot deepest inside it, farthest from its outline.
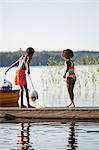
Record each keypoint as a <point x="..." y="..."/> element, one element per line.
<point x="21" y="93"/>
<point x="70" y="87"/>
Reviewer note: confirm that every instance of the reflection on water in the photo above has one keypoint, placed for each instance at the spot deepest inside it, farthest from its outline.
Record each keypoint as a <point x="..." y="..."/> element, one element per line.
<point x="49" y="136"/>
<point x="72" y="141"/>
<point x="24" y="143"/>
<point x="24" y="137"/>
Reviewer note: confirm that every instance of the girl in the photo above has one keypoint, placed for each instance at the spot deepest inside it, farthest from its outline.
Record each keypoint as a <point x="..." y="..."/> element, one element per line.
<point x="20" y="78"/>
<point x="71" y="77"/>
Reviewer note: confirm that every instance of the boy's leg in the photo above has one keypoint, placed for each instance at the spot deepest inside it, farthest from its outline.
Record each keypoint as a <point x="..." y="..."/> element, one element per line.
<point x="21" y="92"/>
<point x="27" y="95"/>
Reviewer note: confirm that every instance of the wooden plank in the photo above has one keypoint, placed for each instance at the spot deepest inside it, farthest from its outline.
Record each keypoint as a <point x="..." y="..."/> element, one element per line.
<point x="49" y="114"/>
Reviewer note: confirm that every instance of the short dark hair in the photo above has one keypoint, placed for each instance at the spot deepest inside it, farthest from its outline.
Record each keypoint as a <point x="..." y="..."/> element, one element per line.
<point x="70" y="52"/>
<point x="30" y="50"/>
<point x="67" y="52"/>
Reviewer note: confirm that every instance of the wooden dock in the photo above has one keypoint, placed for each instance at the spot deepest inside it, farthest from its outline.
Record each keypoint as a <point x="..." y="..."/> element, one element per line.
<point x="18" y="115"/>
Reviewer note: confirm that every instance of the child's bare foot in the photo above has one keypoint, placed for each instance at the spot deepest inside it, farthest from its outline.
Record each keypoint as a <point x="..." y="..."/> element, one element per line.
<point x="23" y="106"/>
<point x="30" y="106"/>
<point x="73" y="105"/>
<point x="69" y="105"/>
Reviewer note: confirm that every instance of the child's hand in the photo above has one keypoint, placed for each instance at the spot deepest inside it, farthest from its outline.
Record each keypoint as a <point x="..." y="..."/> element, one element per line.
<point x="64" y="76"/>
<point x="28" y="71"/>
<point x="6" y="72"/>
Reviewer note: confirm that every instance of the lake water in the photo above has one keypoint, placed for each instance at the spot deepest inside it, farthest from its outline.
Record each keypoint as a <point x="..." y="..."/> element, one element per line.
<point x="49" y="136"/>
<point x="51" y="86"/>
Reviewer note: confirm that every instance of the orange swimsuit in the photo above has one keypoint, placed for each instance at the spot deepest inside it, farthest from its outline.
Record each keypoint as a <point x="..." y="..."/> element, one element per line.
<point x="20" y="78"/>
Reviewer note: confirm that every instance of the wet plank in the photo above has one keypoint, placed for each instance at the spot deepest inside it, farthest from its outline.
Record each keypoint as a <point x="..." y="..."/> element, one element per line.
<point x="52" y="114"/>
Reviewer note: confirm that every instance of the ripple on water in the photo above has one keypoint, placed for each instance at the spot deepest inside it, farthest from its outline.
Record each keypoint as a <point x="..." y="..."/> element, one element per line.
<point x="49" y="136"/>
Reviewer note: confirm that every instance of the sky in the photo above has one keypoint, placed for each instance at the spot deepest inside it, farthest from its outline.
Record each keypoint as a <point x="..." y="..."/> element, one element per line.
<point x="49" y="24"/>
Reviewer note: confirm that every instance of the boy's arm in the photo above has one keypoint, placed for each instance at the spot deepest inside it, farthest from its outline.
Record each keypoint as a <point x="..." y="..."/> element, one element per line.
<point x="14" y="64"/>
<point x="28" y="67"/>
<point x="26" y="61"/>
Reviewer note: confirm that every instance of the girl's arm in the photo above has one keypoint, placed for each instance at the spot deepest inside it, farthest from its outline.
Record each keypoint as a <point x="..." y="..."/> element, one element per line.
<point x="14" y="64"/>
<point x="68" y="64"/>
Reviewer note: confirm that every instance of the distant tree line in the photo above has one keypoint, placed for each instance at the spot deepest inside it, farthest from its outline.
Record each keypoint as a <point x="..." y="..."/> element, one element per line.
<point x="44" y="58"/>
<point x="87" y="57"/>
